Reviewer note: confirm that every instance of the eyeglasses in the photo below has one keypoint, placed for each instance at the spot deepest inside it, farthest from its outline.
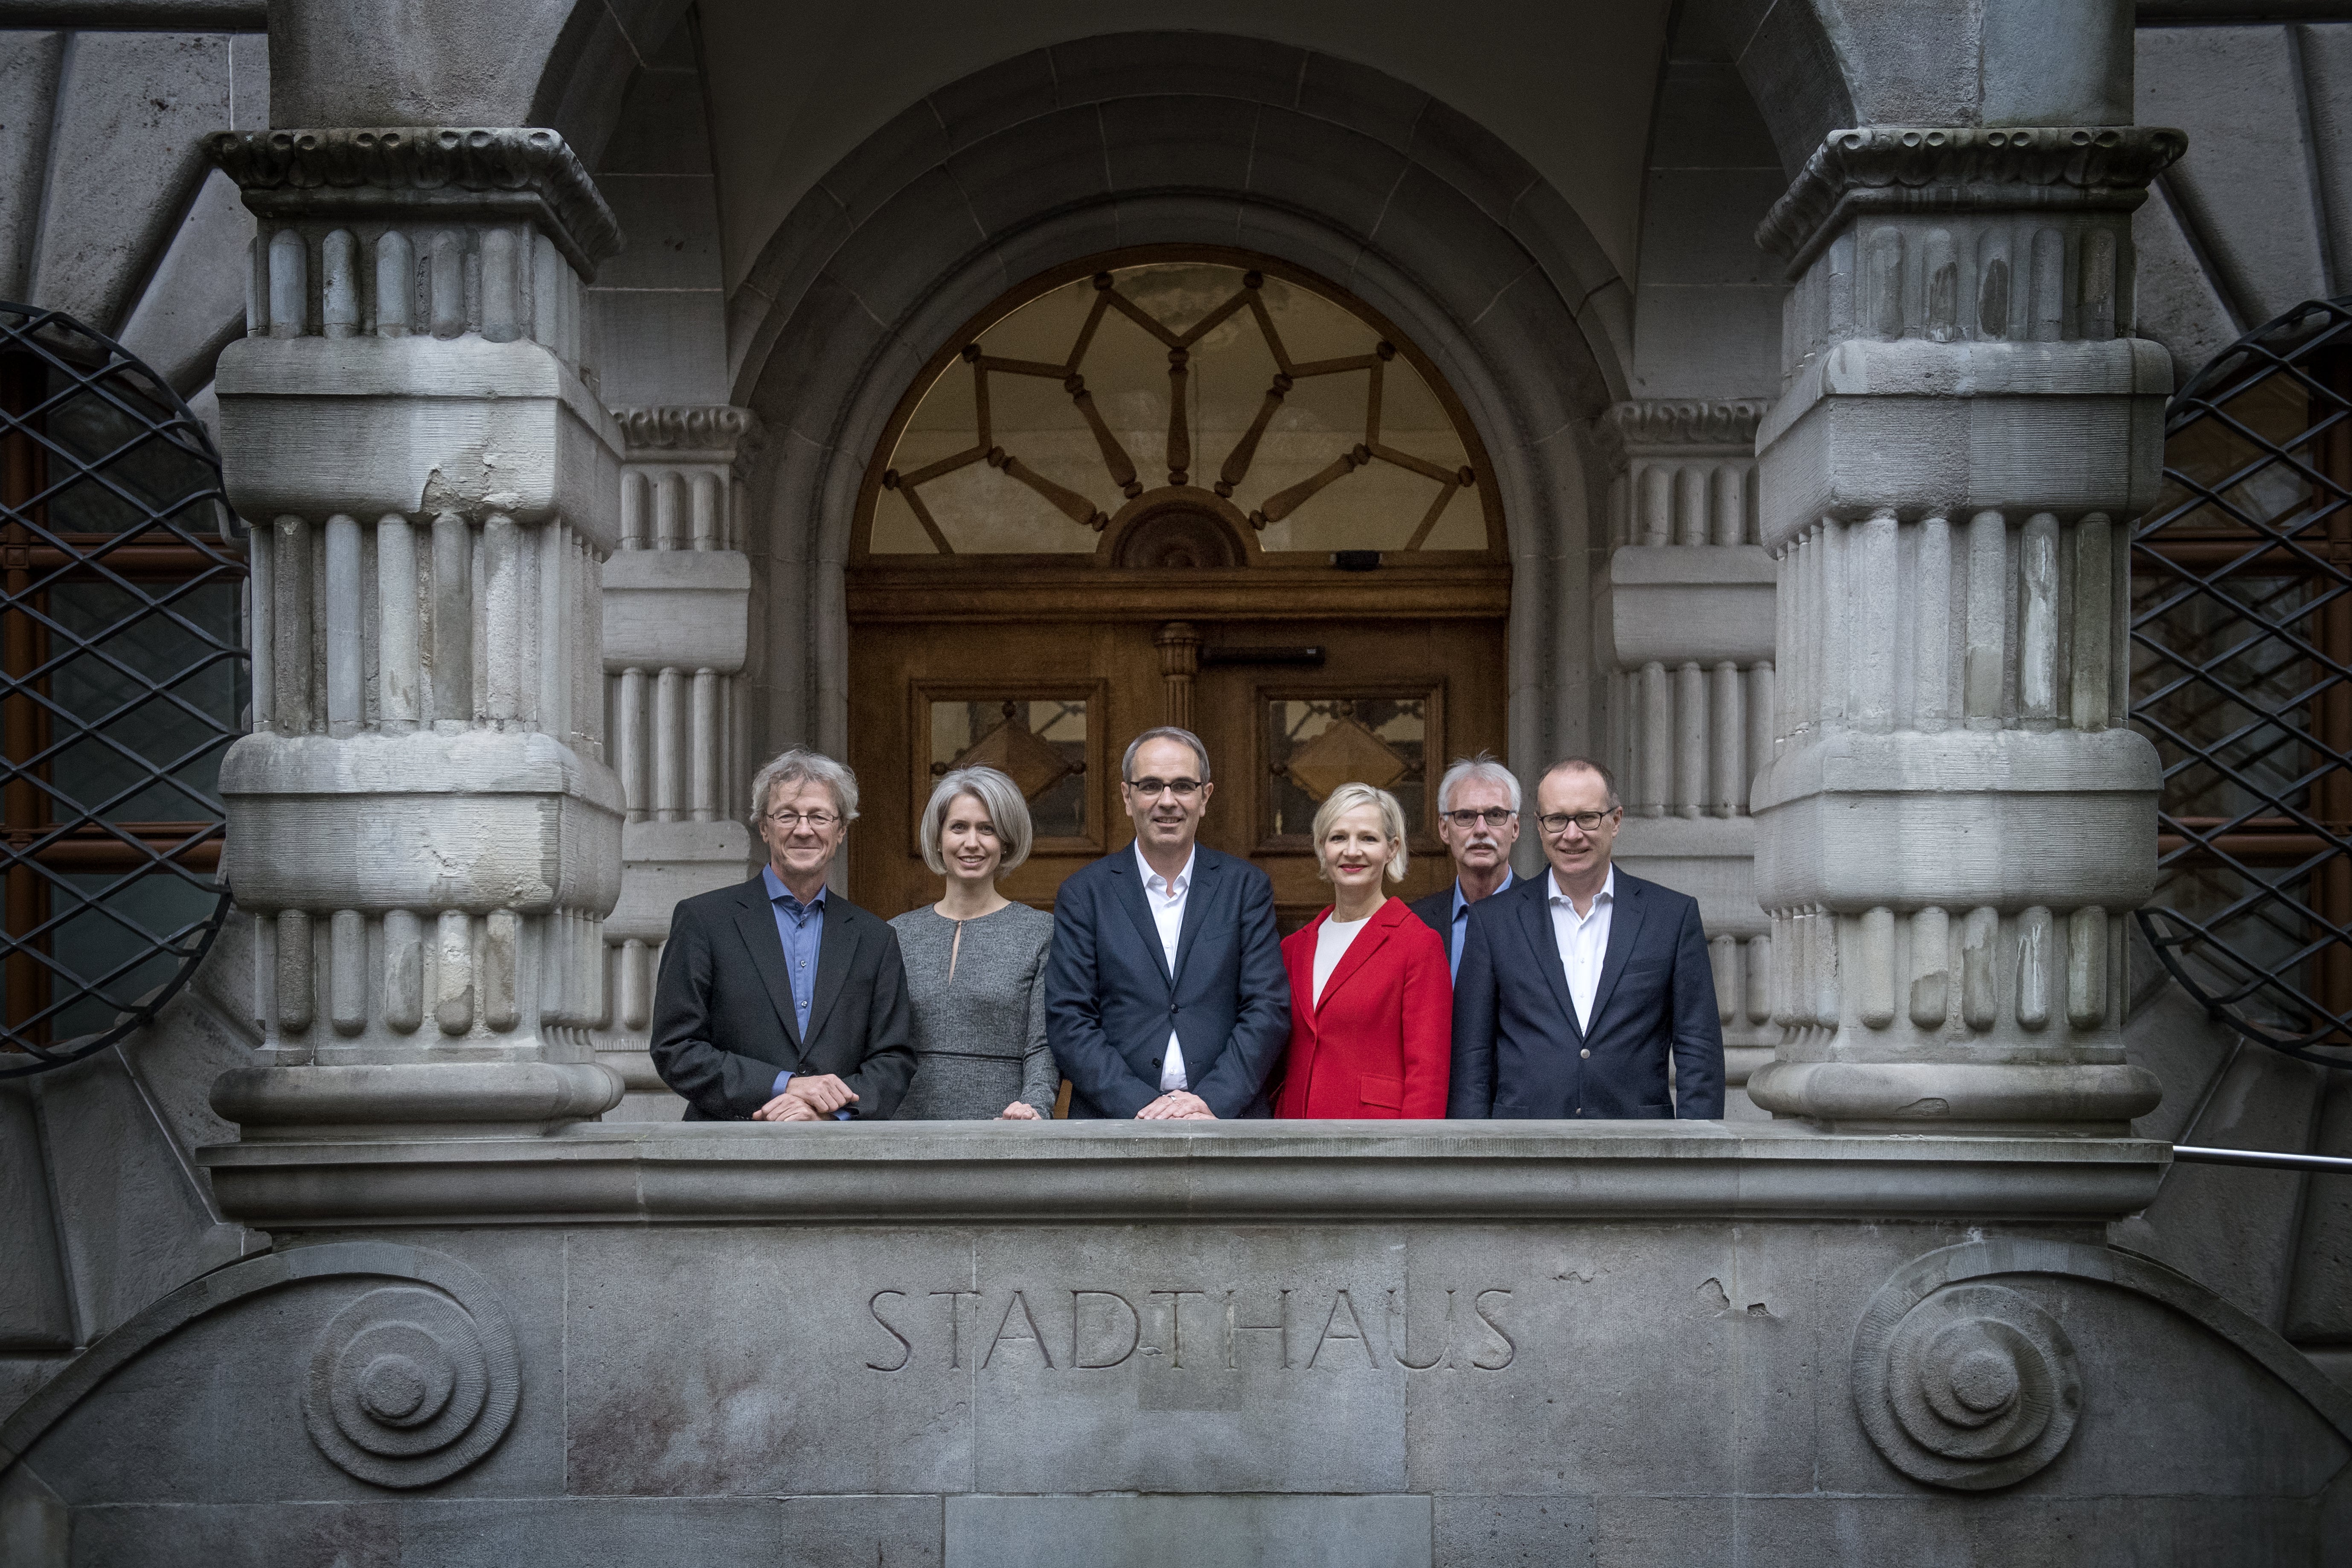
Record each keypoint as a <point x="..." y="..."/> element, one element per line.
<point x="1493" y="817"/>
<point x="818" y="821"/>
<point x="1556" y="823"/>
<point x="1182" y="789"/>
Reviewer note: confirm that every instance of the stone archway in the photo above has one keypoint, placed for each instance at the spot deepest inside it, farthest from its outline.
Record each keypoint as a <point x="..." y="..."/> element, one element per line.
<point x="1472" y="255"/>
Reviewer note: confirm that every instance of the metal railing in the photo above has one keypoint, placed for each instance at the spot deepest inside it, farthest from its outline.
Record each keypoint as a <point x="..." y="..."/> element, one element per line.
<point x="122" y="681"/>
<point x="2242" y="643"/>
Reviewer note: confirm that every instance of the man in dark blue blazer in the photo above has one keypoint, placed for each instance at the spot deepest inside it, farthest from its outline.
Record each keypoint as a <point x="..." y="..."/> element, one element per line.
<point x="1165" y="994"/>
<point x="1577" y="988"/>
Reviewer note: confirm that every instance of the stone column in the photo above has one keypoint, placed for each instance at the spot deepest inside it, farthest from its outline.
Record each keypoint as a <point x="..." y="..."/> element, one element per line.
<point x="422" y="819"/>
<point x="1956" y="819"/>
<point x="677" y="599"/>
<point x="1686" y="606"/>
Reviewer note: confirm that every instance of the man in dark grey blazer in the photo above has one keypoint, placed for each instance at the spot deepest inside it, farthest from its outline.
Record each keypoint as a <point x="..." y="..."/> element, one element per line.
<point x="1578" y="987"/>
<point x="1165" y="994"/>
<point x="778" y="1000"/>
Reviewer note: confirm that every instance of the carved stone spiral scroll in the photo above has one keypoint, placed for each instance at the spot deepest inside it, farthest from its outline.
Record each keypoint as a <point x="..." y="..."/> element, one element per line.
<point x="1972" y="1386"/>
<point x="408" y="1386"/>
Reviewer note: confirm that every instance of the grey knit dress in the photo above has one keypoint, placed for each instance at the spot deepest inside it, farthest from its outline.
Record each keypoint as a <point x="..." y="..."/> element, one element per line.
<point x="980" y="1038"/>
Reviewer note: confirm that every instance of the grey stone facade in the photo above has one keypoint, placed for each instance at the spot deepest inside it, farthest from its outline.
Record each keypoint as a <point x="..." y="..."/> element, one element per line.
<point x="1819" y="351"/>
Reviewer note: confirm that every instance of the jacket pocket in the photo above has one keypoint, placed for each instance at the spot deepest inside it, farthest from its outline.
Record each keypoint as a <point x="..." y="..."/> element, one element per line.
<point x="1383" y="1093"/>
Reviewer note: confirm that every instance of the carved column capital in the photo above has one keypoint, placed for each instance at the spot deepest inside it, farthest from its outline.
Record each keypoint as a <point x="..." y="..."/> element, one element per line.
<point x="690" y="433"/>
<point x="398" y="173"/>
<point x="1677" y="427"/>
<point x="1958" y="168"/>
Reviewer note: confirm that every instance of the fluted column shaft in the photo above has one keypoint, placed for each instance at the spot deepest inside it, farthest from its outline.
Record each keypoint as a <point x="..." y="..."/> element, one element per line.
<point x="676" y="606"/>
<point x="422" y="818"/>
<point x="1687" y="618"/>
<point x="1955" y="820"/>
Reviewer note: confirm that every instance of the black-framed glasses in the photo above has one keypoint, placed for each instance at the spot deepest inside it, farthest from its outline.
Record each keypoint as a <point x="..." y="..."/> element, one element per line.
<point x="1182" y="789"/>
<point x="1493" y="817"/>
<point x="1556" y="823"/>
<point x="818" y="821"/>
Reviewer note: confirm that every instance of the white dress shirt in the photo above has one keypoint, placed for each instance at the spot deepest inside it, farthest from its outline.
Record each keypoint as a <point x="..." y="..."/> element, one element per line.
<point x="1583" y="943"/>
<point x="1166" y="900"/>
<point x="1332" y="942"/>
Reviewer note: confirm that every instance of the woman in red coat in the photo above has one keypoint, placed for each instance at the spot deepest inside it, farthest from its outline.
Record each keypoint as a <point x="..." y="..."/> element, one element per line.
<point x="1371" y="1004"/>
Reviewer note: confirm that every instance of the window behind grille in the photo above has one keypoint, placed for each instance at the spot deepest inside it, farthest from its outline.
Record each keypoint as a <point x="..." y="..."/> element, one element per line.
<point x="122" y="681"/>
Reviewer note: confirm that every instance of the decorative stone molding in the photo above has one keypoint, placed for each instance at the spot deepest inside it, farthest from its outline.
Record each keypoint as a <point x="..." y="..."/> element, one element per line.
<point x="722" y="429"/>
<point x="1624" y="428"/>
<point x="411" y="1384"/>
<point x="387" y="171"/>
<point x="1972" y="1387"/>
<point x="1935" y="168"/>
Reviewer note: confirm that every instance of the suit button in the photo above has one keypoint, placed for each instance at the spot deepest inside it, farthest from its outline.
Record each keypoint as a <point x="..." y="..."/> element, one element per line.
<point x="1171" y="1009"/>
<point x="1155" y="1061"/>
<point x="1585" y="1052"/>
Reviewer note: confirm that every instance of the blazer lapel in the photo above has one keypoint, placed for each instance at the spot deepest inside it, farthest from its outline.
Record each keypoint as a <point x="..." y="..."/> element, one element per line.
<point x="1300" y="966"/>
<point x="834" y="952"/>
<point x="1534" y="918"/>
<point x="1196" y="905"/>
<point x="1129" y="882"/>
<point x="1360" y="951"/>
<point x="755" y="921"/>
<point x="1624" y="925"/>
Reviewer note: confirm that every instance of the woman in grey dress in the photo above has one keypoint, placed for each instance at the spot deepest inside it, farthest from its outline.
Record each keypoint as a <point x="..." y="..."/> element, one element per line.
<point x="976" y="963"/>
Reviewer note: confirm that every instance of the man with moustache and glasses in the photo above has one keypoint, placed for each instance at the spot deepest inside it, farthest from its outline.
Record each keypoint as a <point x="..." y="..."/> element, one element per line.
<point x="1165" y="994"/>
<point x="1477" y="821"/>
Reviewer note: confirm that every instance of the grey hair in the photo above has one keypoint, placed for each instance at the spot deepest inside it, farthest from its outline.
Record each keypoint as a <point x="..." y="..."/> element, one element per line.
<point x="998" y="795"/>
<point x="1165" y="732"/>
<point x="1483" y="768"/>
<point x="796" y="764"/>
<point x="1346" y="798"/>
<point x="1586" y="765"/>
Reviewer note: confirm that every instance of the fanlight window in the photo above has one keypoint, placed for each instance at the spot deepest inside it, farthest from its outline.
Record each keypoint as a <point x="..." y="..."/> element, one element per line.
<point x="1183" y="413"/>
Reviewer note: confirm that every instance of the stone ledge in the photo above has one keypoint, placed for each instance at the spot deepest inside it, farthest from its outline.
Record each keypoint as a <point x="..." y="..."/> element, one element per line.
<point x="1243" y="1172"/>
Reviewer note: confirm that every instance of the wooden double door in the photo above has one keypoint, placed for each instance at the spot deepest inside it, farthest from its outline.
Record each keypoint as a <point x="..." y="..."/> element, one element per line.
<point x="1295" y="686"/>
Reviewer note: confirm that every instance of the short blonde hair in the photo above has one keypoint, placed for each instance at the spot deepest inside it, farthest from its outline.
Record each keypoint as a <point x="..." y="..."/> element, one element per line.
<point x="1346" y="798"/>
<point x="998" y="795"/>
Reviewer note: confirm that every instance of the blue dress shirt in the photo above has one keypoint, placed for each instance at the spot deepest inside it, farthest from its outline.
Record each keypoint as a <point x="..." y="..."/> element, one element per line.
<point x="1461" y="926"/>
<point x="801" y="927"/>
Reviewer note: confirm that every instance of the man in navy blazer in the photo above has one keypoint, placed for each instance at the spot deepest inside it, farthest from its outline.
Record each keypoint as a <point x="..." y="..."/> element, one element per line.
<point x="1165" y="994"/>
<point x="1576" y="988"/>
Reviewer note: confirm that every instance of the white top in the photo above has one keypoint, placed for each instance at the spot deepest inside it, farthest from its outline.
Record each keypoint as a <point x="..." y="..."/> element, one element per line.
<point x="1583" y="943"/>
<point x="1331" y="940"/>
<point x="1166" y="901"/>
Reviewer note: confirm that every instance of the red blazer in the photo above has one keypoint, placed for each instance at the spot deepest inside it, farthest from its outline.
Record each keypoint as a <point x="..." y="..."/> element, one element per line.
<point x="1380" y="1042"/>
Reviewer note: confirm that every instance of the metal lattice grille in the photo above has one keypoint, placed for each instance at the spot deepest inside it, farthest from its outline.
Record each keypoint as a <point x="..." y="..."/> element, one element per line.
<point x="122" y="683"/>
<point x="2241" y="633"/>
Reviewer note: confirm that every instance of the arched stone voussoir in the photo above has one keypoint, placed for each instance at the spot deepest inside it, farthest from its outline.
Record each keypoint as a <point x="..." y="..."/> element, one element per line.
<point x="984" y="162"/>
